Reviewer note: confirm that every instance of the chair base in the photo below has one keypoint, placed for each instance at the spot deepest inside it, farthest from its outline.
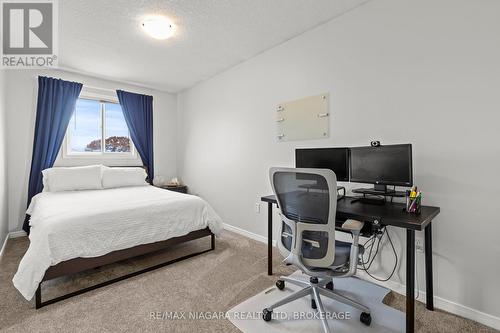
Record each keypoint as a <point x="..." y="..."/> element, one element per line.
<point x="315" y="288"/>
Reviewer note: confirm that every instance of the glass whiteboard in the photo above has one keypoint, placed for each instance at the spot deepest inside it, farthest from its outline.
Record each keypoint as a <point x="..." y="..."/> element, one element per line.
<point x="303" y="119"/>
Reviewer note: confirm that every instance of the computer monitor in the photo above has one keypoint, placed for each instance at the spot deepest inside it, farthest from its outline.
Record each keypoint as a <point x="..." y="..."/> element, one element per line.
<point x="335" y="159"/>
<point x="383" y="165"/>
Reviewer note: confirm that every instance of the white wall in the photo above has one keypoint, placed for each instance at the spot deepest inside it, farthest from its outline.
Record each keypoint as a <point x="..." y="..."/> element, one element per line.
<point x="21" y="93"/>
<point x="425" y="72"/>
<point x="4" y="222"/>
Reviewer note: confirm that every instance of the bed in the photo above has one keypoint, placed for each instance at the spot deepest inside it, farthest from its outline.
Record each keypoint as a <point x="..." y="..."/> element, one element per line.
<point x="73" y="231"/>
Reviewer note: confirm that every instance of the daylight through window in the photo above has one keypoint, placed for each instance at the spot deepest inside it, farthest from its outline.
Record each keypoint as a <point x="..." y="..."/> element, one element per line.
<point x="95" y="122"/>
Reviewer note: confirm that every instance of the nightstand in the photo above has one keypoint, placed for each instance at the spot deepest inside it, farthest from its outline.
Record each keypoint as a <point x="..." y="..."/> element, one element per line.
<point x="179" y="188"/>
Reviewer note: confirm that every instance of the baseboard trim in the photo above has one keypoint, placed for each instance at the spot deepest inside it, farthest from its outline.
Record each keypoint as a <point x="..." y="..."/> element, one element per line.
<point x="439" y="302"/>
<point x="16" y="234"/>
<point x="4" y="244"/>
<point x="12" y="234"/>
<point x="248" y="234"/>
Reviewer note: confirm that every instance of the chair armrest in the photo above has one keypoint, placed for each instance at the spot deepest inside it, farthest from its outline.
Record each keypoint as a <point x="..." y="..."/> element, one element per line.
<point x="353" y="225"/>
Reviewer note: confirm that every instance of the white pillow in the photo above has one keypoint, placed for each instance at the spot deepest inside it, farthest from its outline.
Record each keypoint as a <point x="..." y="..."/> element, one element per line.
<point x="72" y="178"/>
<point x="122" y="177"/>
<point x="45" y="181"/>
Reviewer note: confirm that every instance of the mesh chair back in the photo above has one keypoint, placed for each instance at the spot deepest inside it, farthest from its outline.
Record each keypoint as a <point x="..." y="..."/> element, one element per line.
<point x="307" y="200"/>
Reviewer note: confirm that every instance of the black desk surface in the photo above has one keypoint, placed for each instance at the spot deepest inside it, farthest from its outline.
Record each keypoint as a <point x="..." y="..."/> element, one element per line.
<point x="387" y="214"/>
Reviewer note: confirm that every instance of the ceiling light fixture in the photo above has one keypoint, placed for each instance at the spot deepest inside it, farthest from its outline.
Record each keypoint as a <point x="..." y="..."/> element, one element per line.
<point x="158" y="27"/>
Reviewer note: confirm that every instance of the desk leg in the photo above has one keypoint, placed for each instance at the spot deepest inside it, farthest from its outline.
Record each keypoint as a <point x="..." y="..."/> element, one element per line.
<point x="410" y="281"/>
<point x="429" y="288"/>
<point x="269" y="238"/>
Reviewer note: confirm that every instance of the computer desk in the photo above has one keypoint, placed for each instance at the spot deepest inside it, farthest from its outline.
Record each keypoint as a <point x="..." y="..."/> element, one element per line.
<point x="389" y="214"/>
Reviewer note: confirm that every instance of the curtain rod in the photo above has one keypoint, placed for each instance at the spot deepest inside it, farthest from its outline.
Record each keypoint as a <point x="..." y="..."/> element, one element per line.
<point x="97" y="88"/>
<point x="86" y="86"/>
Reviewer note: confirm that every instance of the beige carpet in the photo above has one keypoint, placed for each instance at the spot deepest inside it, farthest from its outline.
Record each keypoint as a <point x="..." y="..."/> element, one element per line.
<point x="213" y="282"/>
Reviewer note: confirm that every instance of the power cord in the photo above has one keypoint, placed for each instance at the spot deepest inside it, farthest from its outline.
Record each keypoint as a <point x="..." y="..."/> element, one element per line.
<point x="416" y="278"/>
<point x="371" y="243"/>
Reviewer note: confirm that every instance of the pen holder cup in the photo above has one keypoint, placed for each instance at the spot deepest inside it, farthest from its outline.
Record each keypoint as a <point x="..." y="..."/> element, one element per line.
<point x="413" y="205"/>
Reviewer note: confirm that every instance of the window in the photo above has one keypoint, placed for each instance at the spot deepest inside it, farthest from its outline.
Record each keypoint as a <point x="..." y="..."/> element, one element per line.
<point x="98" y="128"/>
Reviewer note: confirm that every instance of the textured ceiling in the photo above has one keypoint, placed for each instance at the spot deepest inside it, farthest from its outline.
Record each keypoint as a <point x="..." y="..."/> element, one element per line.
<point x="104" y="38"/>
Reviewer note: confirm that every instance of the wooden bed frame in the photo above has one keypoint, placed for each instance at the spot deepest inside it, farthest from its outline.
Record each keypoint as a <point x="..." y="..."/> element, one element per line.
<point x="77" y="265"/>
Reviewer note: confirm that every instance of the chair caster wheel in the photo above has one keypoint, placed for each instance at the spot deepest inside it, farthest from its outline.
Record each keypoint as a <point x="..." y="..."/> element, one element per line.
<point x="266" y="314"/>
<point x="313" y="304"/>
<point x="280" y="284"/>
<point x="329" y="285"/>
<point x="365" y="318"/>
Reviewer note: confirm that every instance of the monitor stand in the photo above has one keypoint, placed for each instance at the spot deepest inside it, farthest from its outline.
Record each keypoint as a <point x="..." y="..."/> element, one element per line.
<point x="370" y="201"/>
<point x="378" y="190"/>
<point x="382" y="188"/>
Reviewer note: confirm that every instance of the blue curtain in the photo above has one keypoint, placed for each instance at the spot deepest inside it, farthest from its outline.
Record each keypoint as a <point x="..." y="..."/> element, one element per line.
<point x="138" y="113"/>
<point x="56" y="103"/>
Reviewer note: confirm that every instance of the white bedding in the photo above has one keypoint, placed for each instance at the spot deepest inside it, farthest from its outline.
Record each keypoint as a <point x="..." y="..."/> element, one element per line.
<point x="67" y="225"/>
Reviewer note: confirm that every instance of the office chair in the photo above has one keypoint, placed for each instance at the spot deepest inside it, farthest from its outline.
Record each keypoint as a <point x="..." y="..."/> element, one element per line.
<point x="307" y="238"/>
